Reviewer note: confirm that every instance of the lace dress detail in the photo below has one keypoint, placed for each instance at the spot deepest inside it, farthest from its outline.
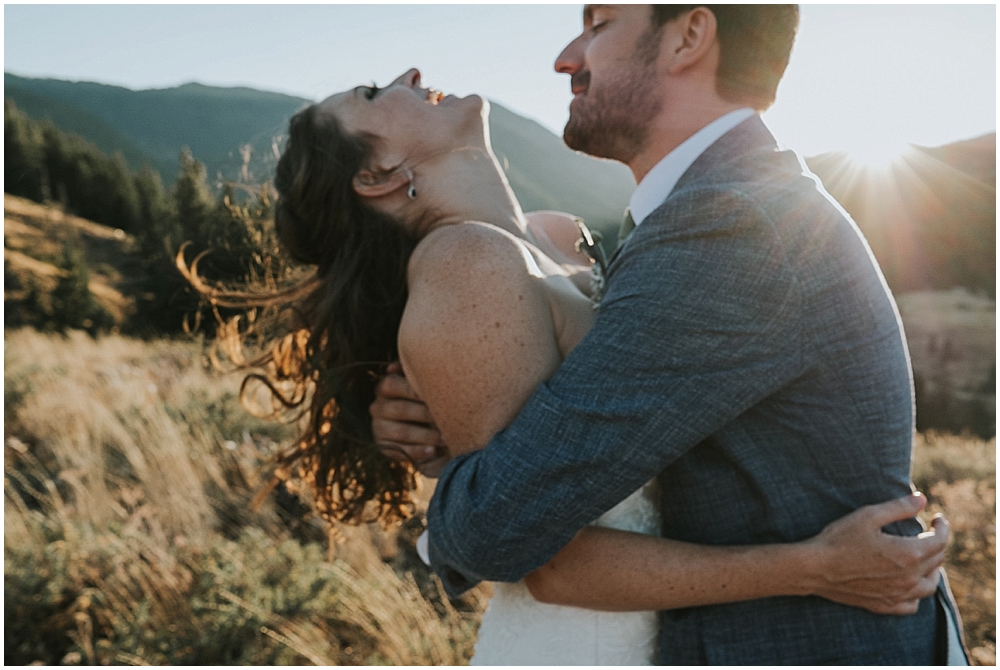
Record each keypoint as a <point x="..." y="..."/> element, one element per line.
<point x="518" y="630"/>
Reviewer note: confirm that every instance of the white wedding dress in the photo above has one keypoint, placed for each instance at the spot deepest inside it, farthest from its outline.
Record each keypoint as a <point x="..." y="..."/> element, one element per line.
<point x="518" y="630"/>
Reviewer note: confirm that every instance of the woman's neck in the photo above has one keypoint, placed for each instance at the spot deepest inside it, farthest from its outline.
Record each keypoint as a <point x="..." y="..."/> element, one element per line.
<point x="469" y="185"/>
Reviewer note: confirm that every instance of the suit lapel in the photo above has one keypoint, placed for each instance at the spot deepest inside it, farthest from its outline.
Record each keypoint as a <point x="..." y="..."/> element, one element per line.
<point x="749" y="136"/>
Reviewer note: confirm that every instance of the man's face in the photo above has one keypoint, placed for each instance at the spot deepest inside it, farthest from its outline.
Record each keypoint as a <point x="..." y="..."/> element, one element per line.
<point x="612" y="65"/>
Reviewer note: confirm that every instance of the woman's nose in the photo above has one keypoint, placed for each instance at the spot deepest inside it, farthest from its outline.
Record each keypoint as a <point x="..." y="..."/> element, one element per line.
<point x="410" y="78"/>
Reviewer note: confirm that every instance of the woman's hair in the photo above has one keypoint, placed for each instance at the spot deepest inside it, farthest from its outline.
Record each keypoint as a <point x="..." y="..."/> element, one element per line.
<point x="343" y="326"/>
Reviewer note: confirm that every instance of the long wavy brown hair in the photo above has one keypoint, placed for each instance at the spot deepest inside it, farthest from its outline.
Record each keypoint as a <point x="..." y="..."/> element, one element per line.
<point x="337" y="326"/>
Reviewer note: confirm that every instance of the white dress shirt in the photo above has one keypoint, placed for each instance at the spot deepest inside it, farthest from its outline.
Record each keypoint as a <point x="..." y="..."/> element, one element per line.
<point x="660" y="181"/>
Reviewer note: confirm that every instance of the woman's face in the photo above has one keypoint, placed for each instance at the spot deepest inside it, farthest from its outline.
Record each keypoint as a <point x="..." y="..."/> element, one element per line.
<point x="410" y="121"/>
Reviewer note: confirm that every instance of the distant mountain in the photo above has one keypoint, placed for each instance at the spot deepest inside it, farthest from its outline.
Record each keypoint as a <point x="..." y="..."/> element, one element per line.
<point x="73" y="119"/>
<point x="930" y="219"/>
<point x="216" y="123"/>
<point x="976" y="157"/>
<point x="932" y="225"/>
<point x="220" y="124"/>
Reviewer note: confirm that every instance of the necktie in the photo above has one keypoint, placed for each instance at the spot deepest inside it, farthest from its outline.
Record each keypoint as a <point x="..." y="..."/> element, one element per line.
<point x="628" y="225"/>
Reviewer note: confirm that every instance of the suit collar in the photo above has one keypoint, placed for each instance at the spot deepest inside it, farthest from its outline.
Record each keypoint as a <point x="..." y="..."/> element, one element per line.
<point x="658" y="183"/>
<point x="750" y="136"/>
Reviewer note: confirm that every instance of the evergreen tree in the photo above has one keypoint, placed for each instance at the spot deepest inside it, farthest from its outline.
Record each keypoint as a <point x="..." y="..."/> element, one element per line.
<point x="237" y="228"/>
<point x="154" y="210"/>
<point x="23" y="150"/>
<point x="73" y="305"/>
<point x="193" y="201"/>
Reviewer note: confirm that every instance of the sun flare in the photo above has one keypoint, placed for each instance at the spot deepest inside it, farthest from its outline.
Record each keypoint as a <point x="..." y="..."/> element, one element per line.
<point x="877" y="154"/>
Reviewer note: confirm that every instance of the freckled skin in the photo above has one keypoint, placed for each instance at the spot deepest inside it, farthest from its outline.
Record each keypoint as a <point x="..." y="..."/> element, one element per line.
<point x="475" y="367"/>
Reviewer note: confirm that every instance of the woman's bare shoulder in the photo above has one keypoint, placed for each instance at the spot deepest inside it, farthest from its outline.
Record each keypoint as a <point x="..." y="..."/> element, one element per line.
<point x="466" y="247"/>
<point x="477" y="334"/>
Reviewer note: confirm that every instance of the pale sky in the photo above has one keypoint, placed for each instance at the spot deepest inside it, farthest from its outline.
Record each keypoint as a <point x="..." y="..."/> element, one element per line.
<point x="863" y="78"/>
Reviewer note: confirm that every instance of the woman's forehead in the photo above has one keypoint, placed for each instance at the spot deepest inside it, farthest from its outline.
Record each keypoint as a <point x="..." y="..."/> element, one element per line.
<point x="336" y="100"/>
<point x="342" y="105"/>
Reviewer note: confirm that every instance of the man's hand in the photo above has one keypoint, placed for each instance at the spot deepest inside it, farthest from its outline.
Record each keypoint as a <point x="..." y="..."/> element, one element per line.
<point x="403" y="425"/>
<point x="858" y="564"/>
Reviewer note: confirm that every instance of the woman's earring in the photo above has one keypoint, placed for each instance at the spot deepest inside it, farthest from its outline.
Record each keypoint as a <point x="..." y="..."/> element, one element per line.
<point x="411" y="192"/>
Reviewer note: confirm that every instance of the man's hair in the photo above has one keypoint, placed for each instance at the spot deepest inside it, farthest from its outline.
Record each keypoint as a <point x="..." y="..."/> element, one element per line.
<point x="755" y="42"/>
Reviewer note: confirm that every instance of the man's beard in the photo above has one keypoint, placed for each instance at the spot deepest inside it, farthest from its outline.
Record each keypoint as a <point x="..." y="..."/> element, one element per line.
<point x="613" y="120"/>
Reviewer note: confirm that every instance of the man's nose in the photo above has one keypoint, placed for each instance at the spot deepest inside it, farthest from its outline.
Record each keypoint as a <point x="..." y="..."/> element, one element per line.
<point x="571" y="58"/>
<point x="410" y="78"/>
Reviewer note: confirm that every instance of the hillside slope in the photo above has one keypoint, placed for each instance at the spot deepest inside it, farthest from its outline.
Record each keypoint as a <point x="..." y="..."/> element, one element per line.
<point x="930" y="218"/>
<point x="34" y="236"/>
<point x="213" y="122"/>
<point x="219" y="123"/>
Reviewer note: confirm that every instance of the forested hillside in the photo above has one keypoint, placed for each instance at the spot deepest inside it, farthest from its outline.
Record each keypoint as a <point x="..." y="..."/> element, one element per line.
<point x="44" y="164"/>
<point x="237" y="133"/>
<point x="217" y="124"/>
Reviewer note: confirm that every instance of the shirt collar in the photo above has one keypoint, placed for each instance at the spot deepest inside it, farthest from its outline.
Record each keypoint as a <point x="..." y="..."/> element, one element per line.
<point x="660" y="181"/>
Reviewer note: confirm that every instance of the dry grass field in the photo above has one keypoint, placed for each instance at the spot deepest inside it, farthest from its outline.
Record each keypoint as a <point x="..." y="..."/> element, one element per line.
<point x="34" y="236"/>
<point x="130" y="537"/>
<point x="952" y="341"/>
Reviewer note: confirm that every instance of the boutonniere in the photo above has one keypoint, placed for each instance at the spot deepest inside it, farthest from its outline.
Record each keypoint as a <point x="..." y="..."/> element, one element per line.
<point x="590" y="243"/>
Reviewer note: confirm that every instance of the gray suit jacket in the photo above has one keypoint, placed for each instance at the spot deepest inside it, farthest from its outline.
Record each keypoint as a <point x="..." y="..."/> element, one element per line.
<point x="748" y="352"/>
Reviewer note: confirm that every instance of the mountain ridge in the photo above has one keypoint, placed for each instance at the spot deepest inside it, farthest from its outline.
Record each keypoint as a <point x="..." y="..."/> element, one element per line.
<point x="220" y="123"/>
<point x="939" y="231"/>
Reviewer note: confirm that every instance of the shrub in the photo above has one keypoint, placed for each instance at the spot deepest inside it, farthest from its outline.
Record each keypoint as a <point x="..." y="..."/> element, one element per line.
<point x="130" y="534"/>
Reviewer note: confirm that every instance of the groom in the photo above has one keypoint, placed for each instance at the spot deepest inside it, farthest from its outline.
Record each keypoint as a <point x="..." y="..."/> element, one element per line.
<point x="747" y="351"/>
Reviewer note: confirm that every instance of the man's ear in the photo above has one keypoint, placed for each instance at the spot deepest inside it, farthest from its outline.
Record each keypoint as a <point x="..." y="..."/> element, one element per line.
<point x="694" y="38"/>
<point x="369" y="183"/>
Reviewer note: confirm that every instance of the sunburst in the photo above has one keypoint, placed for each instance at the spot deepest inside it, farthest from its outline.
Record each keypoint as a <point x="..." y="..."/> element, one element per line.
<point x="878" y="155"/>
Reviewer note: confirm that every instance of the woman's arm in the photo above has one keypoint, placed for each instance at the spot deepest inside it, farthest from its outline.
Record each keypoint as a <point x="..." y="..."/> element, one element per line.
<point x="851" y="562"/>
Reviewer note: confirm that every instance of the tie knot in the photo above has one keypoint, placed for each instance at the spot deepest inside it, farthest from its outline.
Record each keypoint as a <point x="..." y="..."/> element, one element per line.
<point x="628" y="224"/>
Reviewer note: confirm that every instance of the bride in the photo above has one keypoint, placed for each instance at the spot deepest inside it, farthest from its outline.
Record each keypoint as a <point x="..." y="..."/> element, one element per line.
<point x="422" y="253"/>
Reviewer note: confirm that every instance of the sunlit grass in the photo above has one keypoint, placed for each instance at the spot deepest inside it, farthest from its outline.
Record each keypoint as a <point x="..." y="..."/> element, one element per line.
<point x="129" y="536"/>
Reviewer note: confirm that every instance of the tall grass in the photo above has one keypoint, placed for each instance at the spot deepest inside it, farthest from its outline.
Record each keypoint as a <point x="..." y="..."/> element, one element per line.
<point x="130" y="537"/>
<point x="958" y="474"/>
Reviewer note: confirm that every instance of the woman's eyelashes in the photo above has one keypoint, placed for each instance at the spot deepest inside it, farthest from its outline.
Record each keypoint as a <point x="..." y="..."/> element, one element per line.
<point x="371" y="91"/>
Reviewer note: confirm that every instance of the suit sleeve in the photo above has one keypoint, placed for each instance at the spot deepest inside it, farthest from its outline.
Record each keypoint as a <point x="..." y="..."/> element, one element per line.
<point x="699" y="323"/>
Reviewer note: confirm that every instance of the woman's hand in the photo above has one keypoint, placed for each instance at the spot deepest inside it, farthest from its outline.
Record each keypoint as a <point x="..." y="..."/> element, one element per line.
<point x="858" y="564"/>
<point x="403" y="426"/>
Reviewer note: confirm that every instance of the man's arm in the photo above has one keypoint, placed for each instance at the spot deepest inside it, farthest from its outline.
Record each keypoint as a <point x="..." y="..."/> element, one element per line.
<point x="699" y="323"/>
<point x="852" y="562"/>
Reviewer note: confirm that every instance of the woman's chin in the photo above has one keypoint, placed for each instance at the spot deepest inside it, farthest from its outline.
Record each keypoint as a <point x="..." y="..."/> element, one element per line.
<point x="484" y="104"/>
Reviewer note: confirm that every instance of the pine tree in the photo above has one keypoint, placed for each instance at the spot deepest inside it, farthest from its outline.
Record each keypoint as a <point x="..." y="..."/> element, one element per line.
<point x="193" y="200"/>
<point x="73" y="305"/>
<point x="23" y="150"/>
